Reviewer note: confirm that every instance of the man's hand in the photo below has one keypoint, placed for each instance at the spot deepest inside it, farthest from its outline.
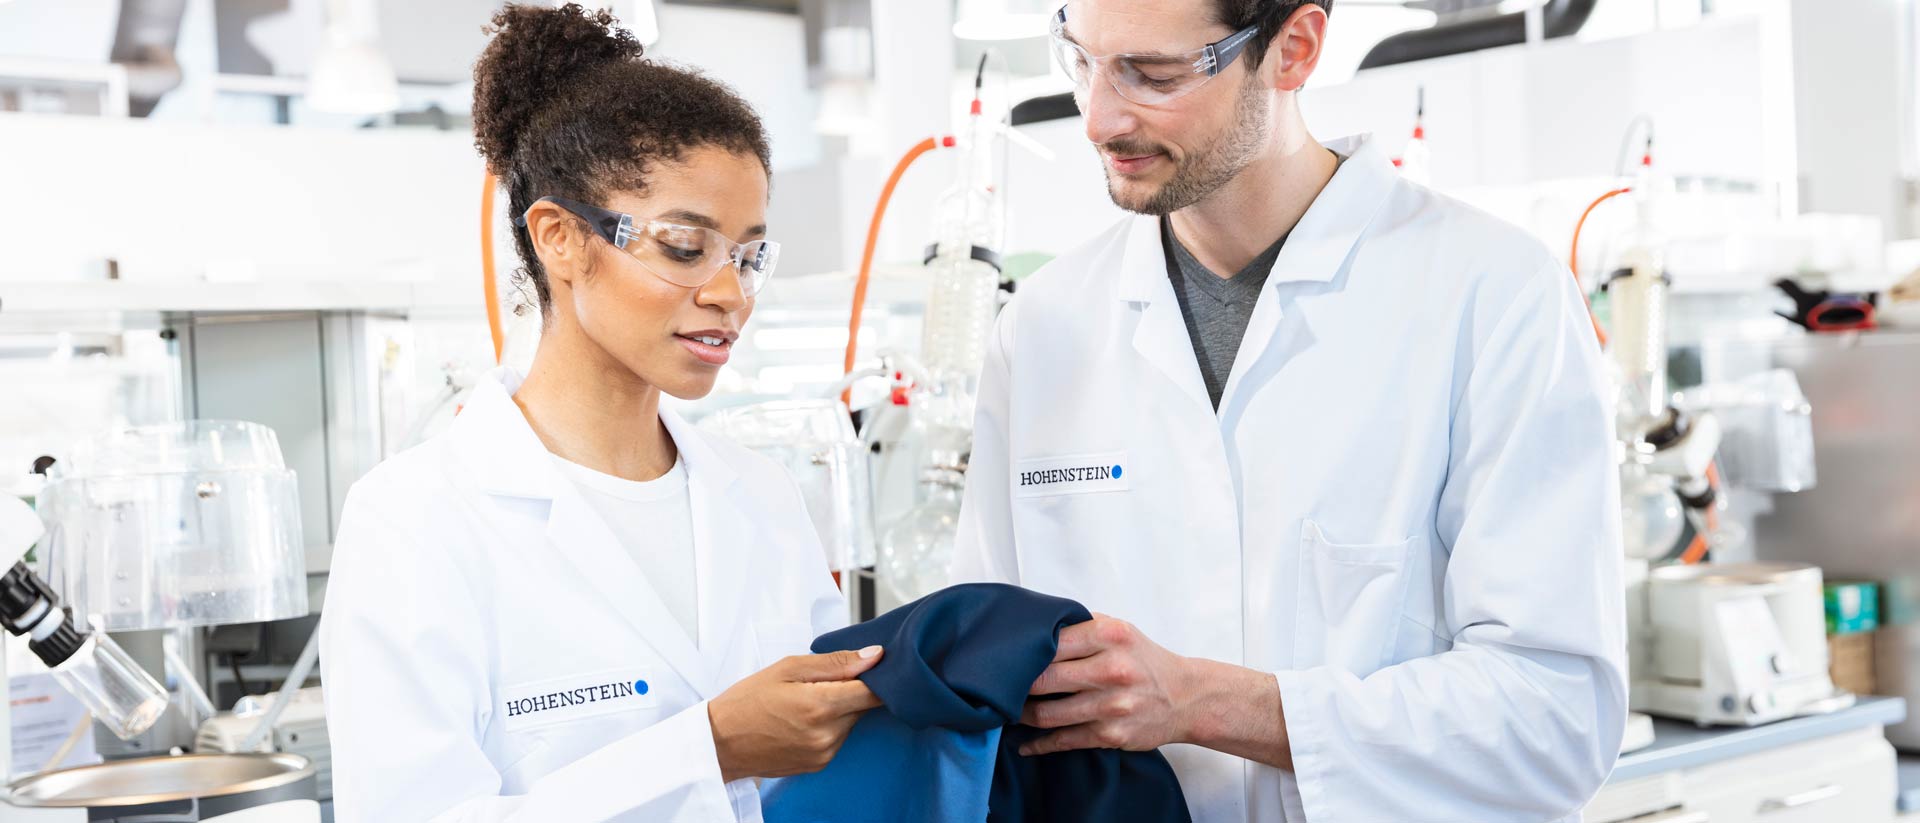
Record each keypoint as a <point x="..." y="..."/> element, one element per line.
<point x="1123" y="692"/>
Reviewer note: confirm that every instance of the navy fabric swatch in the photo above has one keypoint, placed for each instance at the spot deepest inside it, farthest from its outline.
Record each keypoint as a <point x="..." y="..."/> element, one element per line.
<point x="957" y="667"/>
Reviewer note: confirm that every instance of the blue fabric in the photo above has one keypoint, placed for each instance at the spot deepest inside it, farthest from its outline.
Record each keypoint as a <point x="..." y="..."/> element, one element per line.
<point x="957" y="668"/>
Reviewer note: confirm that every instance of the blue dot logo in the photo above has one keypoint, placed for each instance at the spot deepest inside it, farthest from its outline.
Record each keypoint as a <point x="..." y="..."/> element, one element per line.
<point x="639" y="687"/>
<point x="1116" y="472"/>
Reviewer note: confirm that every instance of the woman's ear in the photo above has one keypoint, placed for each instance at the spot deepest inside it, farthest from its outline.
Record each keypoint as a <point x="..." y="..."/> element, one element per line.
<point x="557" y="241"/>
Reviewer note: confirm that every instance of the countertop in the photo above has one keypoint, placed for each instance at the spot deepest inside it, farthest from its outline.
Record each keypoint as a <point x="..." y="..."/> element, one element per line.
<point x="1682" y="745"/>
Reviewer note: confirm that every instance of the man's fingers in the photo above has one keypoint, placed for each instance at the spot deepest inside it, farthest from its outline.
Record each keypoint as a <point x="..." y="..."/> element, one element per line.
<point x="1056" y="714"/>
<point x="1077" y="641"/>
<point x="842" y="665"/>
<point x="1066" y="678"/>
<point x="1064" y="740"/>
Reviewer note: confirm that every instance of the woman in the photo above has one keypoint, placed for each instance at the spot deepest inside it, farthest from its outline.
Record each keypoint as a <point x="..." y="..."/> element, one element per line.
<point x="573" y="606"/>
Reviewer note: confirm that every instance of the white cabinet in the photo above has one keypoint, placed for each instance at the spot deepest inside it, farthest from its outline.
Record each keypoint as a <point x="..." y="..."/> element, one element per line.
<point x="1846" y="777"/>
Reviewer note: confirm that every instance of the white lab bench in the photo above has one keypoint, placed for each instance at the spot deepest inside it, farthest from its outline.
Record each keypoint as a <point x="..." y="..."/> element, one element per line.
<point x="1823" y="769"/>
<point x="1820" y="769"/>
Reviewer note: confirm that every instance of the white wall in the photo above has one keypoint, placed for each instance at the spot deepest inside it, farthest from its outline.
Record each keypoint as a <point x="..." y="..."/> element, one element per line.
<point x="1503" y="118"/>
<point x="172" y="201"/>
<point x="1854" y="71"/>
<point x="58" y="29"/>
<point x="761" y="55"/>
<point x="1521" y="114"/>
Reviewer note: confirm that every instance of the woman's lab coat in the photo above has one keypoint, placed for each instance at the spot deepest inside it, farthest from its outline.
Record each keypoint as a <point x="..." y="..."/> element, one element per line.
<point x="1406" y="507"/>
<point x="492" y="652"/>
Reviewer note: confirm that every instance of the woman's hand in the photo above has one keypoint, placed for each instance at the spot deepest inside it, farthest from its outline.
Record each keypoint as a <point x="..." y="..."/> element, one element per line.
<point x="791" y="717"/>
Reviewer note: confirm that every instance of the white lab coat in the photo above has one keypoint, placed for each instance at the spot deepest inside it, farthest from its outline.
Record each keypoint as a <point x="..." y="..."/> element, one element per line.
<point x="1405" y="507"/>
<point x="484" y="632"/>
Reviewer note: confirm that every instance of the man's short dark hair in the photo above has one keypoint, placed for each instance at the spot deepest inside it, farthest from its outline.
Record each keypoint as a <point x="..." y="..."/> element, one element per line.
<point x="1269" y="15"/>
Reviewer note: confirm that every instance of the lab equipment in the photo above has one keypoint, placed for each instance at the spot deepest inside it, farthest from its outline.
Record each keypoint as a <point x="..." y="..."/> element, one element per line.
<point x="1737" y="644"/>
<point x="1651" y="520"/>
<point x="85" y="661"/>
<point x="963" y="298"/>
<point x="1822" y="310"/>
<point x="1768" y="445"/>
<point x="815" y="442"/>
<point x="963" y="272"/>
<point x="1858" y="522"/>
<point x="1636" y="287"/>
<point x="300" y="728"/>
<point x="187" y="787"/>
<point x="160" y="527"/>
<point x="1416" y="160"/>
<point x="916" y="550"/>
<point x="195" y="523"/>
<point x="1666" y="455"/>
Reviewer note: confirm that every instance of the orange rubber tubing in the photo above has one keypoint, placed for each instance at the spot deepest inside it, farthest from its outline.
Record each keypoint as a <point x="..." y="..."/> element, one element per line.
<point x="1697" y="550"/>
<point x="873" y="237"/>
<point x="489" y="287"/>
<point x="1573" y="257"/>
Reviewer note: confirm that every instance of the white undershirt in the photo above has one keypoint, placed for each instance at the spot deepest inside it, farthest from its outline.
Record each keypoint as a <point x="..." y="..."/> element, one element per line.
<point x="653" y="520"/>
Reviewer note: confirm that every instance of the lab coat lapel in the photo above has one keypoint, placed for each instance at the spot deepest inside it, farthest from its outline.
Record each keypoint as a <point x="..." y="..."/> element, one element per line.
<point x="723" y="537"/>
<point x="1318" y="247"/>
<point x="1161" y="336"/>
<point x="577" y="533"/>
<point x="508" y="459"/>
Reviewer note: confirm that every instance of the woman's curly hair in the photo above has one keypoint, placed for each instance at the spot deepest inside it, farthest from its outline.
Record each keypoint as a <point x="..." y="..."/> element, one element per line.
<point x="565" y="104"/>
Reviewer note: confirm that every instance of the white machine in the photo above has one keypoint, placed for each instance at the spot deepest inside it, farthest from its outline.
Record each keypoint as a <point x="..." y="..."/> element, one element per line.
<point x="300" y="728"/>
<point x="156" y="527"/>
<point x="1737" y="644"/>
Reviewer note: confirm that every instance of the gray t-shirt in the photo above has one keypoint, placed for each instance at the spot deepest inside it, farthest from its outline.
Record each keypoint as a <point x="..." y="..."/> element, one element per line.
<point x="1216" y="309"/>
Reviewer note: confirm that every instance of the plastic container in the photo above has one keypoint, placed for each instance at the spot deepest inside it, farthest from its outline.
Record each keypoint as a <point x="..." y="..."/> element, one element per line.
<point x="184" y="524"/>
<point x="1853" y="606"/>
<point x="120" y="694"/>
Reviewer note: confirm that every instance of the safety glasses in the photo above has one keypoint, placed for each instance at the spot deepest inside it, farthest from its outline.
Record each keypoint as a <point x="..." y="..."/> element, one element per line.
<point x="1147" y="79"/>
<point x="688" y="256"/>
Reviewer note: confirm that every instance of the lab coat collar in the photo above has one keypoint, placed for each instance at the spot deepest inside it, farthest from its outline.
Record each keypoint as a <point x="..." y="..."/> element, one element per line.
<point x="508" y="459"/>
<point x="497" y="445"/>
<point x="1316" y="248"/>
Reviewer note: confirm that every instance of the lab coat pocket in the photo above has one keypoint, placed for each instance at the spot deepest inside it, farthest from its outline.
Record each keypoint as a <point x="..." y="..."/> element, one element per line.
<point x="1349" y="602"/>
<point x="775" y="639"/>
<point x="518" y="776"/>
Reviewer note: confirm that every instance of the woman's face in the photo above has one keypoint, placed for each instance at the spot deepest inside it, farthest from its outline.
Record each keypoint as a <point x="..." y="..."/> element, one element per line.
<point x="652" y="326"/>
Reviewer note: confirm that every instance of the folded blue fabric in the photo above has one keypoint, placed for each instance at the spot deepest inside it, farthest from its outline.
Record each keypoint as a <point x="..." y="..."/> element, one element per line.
<point x="957" y="668"/>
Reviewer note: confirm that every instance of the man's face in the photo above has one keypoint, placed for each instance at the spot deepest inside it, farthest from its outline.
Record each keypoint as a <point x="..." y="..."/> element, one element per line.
<point x="1160" y="159"/>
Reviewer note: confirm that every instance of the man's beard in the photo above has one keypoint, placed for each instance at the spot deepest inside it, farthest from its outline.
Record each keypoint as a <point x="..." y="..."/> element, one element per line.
<point x="1203" y="173"/>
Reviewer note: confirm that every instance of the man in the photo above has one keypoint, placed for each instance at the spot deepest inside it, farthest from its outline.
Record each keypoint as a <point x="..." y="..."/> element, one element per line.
<point x="1333" y="451"/>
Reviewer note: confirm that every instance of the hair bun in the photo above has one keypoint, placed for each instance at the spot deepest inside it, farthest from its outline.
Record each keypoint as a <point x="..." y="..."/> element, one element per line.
<point x="535" y="54"/>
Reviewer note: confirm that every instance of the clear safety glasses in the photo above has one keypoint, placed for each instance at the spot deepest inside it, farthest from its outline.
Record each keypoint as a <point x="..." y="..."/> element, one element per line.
<point x="687" y="256"/>
<point x="1147" y="79"/>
